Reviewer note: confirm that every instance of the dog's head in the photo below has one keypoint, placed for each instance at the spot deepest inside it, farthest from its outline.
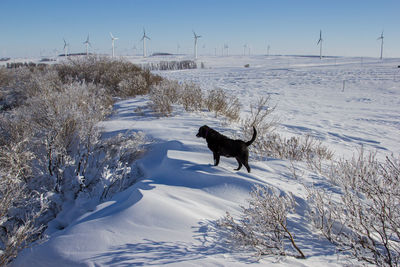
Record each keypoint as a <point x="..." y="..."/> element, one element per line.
<point x="203" y="131"/>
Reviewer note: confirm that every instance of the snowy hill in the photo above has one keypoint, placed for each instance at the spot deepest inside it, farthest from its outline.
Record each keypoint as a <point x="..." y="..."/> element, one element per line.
<point x="168" y="216"/>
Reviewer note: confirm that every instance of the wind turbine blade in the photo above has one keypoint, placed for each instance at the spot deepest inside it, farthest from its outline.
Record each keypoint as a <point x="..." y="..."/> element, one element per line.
<point x="112" y="37"/>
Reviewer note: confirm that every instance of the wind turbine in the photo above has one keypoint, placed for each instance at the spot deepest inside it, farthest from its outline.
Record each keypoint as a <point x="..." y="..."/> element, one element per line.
<point x="381" y="38"/>
<point x="227" y="49"/>
<point x="65" y="48"/>
<point x="87" y="43"/>
<point x="144" y="42"/>
<point x="112" y="43"/>
<point x="134" y="50"/>
<point x="320" y="44"/>
<point x="195" y="44"/>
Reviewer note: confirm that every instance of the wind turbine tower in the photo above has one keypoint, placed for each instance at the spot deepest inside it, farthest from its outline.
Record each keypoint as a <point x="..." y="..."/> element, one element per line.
<point x="112" y="43"/>
<point x="65" y="48"/>
<point x="320" y="44"/>
<point x="144" y="42"/>
<point x="195" y="44"/>
<point x="381" y="38"/>
<point x="226" y="47"/>
<point x="87" y="44"/>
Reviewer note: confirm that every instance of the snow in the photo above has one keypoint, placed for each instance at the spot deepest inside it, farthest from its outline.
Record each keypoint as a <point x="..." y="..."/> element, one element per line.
<point x="167" y="217"/>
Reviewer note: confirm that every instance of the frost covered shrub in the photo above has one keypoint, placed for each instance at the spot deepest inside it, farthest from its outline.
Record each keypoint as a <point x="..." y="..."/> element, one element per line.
<point x="5" y="77"/>
<point x="19" y="206"/>
<point x="270" y="143"/>
<point x="191" y="97"/>
<point x="261" y="118"/>
<point x="364" y="220"/>
<point x="170" y="65"/>
<point x="65" y="120"/>
<point x="263" y="226"/>
<point x="232" y="111"/>
<point x="295" y="148"/>
<point x="132" y="86"/>
<point x="12" y="89"/>
<point x="216" y="101"/>
<point x="51" y="150"/>
<point x="222" y="104"/>
<point x="18" y="237"/>
<point x="120" y="153"/>
<point x="164" y="95"/>
<point x="120" y="78"/>
<point x="24" y="83"/>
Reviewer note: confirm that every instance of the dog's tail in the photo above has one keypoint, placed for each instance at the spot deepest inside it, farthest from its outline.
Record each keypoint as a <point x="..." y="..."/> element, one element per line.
<point x="253" y="138"/>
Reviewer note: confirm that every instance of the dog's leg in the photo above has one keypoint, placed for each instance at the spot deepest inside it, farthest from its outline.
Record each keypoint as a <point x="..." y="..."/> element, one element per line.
<point x="247" y="167"/>
<point x="240" y="164"/>
<point x="216" y="159"/>
<point x="245" y="161"/>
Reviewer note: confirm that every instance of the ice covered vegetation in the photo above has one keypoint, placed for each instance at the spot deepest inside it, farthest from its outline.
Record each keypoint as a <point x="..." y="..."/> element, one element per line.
<point x="100" y="164"/>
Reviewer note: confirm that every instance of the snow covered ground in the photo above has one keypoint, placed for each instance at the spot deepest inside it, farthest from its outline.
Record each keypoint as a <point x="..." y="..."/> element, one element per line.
<point x="167" y="217"/>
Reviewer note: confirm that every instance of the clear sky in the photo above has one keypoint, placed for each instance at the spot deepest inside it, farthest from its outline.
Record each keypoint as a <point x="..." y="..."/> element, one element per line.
<point x="30" y="28"/>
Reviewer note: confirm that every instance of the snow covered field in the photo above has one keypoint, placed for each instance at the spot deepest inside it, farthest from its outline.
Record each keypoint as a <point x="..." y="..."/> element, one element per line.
<point x="167" y="217"/>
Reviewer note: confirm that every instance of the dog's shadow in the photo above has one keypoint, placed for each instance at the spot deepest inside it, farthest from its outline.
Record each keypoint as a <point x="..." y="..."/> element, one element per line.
<point x="176" y="164"/>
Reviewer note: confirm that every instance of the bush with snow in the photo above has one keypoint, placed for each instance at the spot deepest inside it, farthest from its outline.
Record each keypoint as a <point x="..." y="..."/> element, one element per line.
<point x="262" y="226"/>
<point x="170" y="65"/>
<point x="51" y="147"/>
<point x="118" y="77"/>
<point x="270" y="143"/>
<point x="164" y="95"/>
<point x="364" y="219"/>
<point x="220" y="103"/>
<point x="191" y="97"/>
<point x="167" y="93"/>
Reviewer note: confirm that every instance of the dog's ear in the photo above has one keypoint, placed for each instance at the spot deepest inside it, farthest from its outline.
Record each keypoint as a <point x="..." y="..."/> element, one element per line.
<point x="202" y="131"/>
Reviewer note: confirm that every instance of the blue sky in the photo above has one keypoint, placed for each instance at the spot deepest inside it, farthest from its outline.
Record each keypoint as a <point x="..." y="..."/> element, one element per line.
<point x="349" y="28"/>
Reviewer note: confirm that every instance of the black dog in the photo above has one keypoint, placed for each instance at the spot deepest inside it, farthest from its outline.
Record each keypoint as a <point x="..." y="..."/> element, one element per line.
<point x="221" y="145"/>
